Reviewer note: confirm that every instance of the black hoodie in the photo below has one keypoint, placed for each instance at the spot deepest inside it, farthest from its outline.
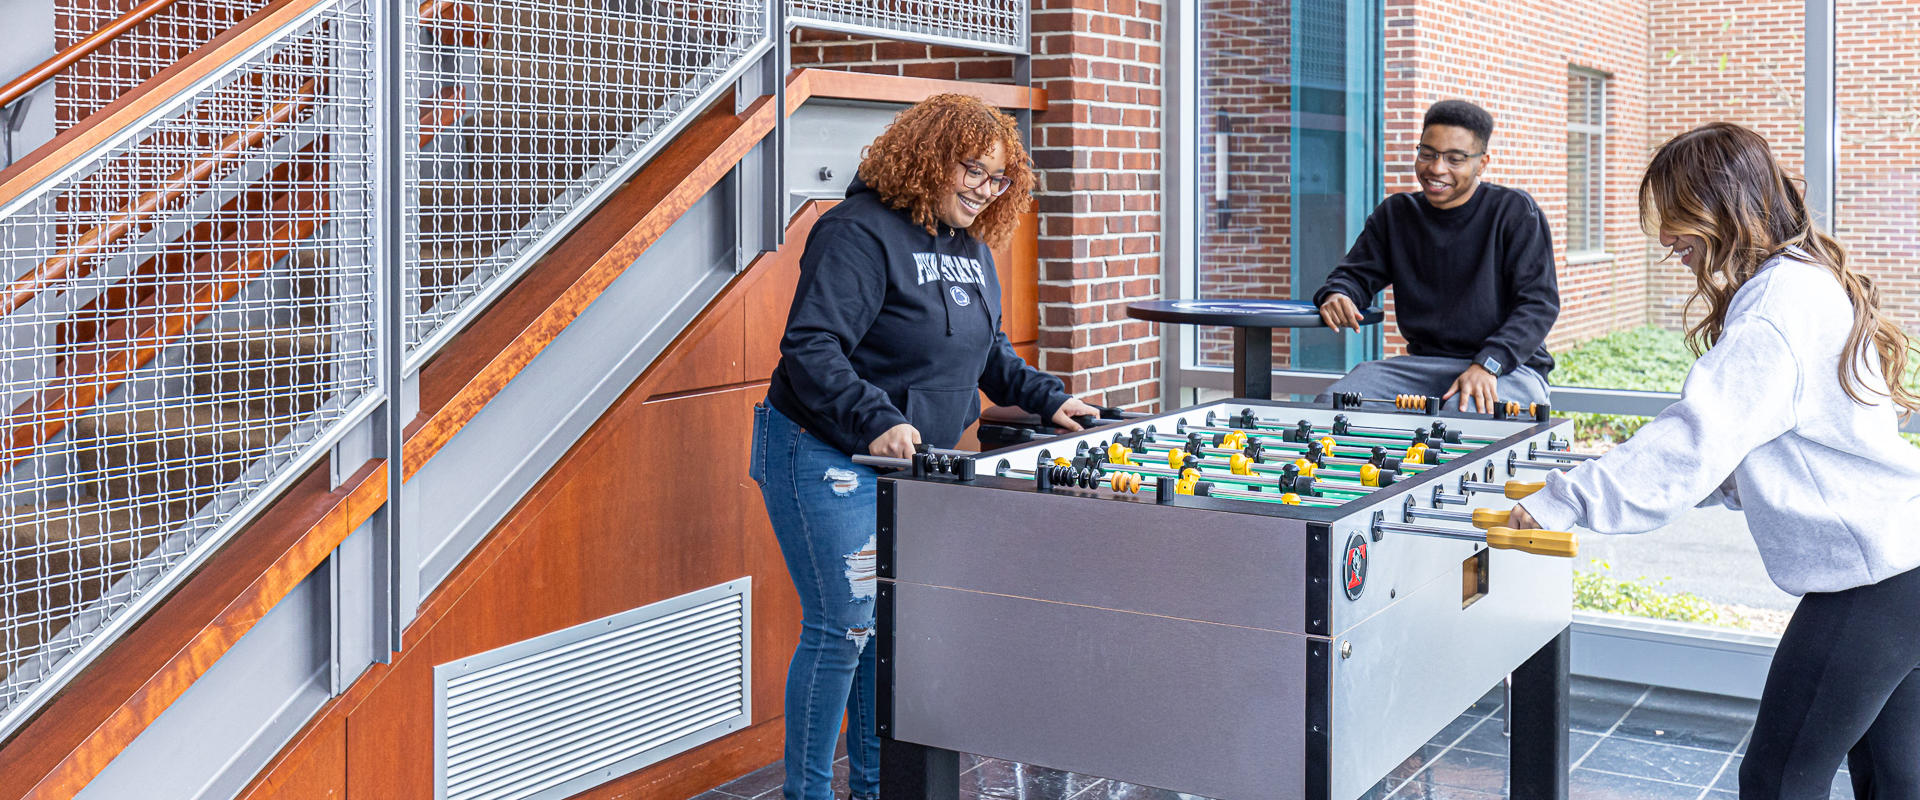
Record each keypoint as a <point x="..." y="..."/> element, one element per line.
<point x="893" y="324"/>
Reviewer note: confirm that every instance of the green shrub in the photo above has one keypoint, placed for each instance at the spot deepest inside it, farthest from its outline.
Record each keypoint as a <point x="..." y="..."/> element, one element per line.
<point x="1648" y="359"/>
<point x="1601" y="591"/>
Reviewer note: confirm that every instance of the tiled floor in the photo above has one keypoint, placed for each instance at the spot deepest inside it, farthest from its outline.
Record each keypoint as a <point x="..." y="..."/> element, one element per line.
<point x="1629" y="742"/>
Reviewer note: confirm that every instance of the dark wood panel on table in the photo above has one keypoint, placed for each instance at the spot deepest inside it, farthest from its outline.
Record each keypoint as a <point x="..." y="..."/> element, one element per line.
<point x="652" y="504"/>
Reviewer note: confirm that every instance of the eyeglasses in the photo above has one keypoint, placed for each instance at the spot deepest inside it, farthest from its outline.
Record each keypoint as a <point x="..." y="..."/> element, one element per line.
<point x="1454" y="158"/>
<point x="978" y="176"/>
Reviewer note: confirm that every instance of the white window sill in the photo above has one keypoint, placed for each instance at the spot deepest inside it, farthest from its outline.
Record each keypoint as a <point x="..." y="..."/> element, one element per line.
<point x="1589" y="257"/>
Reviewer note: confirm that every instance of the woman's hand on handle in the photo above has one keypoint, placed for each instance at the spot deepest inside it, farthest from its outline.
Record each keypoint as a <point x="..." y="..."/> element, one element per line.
<point x="1074" y="407"/>
<point x="897" y="442"/>
<point x="1521" y="520"/>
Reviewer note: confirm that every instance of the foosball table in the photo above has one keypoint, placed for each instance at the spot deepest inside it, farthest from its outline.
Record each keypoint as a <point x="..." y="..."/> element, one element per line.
<point x="1244" y="600"/>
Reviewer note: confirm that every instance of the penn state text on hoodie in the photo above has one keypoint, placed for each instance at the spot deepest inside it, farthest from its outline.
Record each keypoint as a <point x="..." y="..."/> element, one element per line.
<point x="893" y="324"/>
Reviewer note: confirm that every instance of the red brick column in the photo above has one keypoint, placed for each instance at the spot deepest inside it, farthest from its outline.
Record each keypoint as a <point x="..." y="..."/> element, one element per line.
<point x="1098" y="150"/>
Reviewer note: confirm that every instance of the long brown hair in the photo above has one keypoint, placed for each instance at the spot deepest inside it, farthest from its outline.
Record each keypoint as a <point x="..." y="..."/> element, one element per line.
<point x="1721" y="183"/>
<point x="911" y="164"/>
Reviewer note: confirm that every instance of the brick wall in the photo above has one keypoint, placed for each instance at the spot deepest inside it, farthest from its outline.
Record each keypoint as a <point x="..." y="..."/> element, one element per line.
<point x="1097" y="148"/>
<point x="1877" y="89"/>
<point x="1513" y="57"/>
<point x="1719" y="60"/>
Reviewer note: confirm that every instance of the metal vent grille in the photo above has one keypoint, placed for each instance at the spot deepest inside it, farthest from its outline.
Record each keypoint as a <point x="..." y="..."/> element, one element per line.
<point x="555" y="715"/>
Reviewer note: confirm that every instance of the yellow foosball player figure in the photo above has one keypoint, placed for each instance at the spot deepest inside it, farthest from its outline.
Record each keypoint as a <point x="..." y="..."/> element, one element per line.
<point x="1789" y="416"/>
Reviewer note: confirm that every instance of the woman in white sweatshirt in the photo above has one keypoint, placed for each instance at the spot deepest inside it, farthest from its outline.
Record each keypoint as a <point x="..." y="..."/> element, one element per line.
<point x="1788" y="416"/>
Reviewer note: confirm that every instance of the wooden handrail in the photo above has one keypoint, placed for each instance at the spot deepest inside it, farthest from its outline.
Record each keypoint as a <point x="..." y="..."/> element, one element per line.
<point x="135" y="105"/>
<point x="31" y="80"/>
<point x="113" y="701"/>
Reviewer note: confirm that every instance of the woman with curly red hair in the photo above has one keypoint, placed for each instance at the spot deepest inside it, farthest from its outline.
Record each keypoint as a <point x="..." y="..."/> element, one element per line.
<point x="893" y="333"/>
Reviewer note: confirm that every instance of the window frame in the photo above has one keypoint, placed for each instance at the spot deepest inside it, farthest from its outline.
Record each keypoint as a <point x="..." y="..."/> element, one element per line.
<point x="1595" y="243"/>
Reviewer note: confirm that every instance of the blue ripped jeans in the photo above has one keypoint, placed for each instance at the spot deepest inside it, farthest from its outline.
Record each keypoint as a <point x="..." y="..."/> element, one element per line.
<point x="822" y="508"/>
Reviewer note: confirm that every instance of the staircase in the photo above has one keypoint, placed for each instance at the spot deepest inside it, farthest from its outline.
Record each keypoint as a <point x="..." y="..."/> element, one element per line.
<point x="203" y="338"/>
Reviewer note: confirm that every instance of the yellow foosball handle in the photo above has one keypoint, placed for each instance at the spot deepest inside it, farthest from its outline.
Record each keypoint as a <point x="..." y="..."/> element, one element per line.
<point x="1485" y="518"/>
<point x="1538" y="542"/>
<point x="1519" y="489"/>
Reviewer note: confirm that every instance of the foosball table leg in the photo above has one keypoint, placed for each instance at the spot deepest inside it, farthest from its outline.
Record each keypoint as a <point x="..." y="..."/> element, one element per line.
<point x="1540" y="720"/>
<point x="911" y="771"/>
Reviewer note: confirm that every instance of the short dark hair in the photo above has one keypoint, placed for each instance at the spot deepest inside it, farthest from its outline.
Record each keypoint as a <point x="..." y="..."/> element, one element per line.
<point x="1461" y="114"/>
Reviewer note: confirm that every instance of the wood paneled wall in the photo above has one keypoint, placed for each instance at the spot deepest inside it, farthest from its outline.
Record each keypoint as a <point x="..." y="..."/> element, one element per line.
<point x="619" y="523"/>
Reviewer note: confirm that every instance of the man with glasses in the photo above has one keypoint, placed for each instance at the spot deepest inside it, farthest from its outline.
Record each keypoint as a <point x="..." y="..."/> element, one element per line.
<point x="1472" y="271"/>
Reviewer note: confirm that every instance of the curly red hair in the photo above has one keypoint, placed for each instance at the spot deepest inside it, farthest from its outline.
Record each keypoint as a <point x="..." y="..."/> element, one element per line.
<point x="911" y="164"/>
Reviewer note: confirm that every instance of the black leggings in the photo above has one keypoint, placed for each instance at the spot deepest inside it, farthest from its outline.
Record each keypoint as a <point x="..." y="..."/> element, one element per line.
<point x="1845" y="682"/>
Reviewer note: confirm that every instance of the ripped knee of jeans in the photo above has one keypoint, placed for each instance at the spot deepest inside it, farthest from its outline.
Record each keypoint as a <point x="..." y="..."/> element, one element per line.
<point x="861" y="577"/>
<point x="844" y="481"/>
<point x="859" y="636"/>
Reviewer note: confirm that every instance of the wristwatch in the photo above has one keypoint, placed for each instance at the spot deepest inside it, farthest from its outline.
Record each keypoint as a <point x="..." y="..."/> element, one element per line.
<point x="1490" y="364"/>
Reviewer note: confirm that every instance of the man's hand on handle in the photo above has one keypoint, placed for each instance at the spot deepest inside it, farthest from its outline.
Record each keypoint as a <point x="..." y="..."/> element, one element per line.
<point x="1476" y="383"/>
<point x="1074" y="407"/>
<point x="1340" y="312"/>
<point x="897" y="442"/>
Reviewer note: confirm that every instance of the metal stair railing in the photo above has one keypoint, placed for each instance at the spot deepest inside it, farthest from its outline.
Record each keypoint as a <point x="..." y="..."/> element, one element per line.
<point x="568" y="98"/>
<point x="189" y="323"/>
<point x="993" y="25"/>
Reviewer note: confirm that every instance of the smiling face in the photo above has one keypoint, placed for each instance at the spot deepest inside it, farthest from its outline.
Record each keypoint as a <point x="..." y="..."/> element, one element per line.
<point x="1687" y="247"/>
<point x="960" y="205"/>
<point x="1450" y="176"/>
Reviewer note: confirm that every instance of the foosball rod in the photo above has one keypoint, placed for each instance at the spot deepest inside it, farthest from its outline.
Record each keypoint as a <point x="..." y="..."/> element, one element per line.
<point x="1291" y="453"/>
<point x="1115" y="481"/>
<point x="1346" y="453"/>
<point x="1345" y="447"/>
<point x="1432" y="405"/>
<point x="1563" y="544"/>
<point x="1479" y="517"/>
<point x="1350" y="437"/>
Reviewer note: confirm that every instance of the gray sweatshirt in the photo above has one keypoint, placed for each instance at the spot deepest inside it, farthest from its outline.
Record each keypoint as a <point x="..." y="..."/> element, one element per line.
<point x="1831" y="491"/>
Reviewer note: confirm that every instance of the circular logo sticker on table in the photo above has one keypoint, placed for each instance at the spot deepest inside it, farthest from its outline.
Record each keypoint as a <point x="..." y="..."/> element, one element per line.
<point x="1354" y="566"/>
<point x="1244" y="306"/>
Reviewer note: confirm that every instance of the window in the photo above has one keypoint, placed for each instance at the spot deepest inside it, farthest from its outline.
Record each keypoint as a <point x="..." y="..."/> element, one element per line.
<point x="1586" y="161"/>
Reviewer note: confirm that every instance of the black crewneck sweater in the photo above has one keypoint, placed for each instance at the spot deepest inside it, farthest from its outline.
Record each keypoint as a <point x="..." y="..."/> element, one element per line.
<point x="1475" y="281"/>
<point x="892" y="324"/>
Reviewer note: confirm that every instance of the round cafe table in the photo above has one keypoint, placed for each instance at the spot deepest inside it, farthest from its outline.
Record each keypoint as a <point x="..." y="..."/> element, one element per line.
<point x="1252" y="322"/>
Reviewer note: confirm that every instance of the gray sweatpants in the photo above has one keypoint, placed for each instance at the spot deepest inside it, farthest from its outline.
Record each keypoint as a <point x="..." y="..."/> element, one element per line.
<point x="1431" y="375"/>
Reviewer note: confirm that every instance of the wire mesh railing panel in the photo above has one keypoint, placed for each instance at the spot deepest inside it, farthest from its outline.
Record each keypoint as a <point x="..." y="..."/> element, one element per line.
<point x="530" y="110"/>
<point x="992" y="24"/>
<point x="189" y="314"/>
<point x="136" y="55"/>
